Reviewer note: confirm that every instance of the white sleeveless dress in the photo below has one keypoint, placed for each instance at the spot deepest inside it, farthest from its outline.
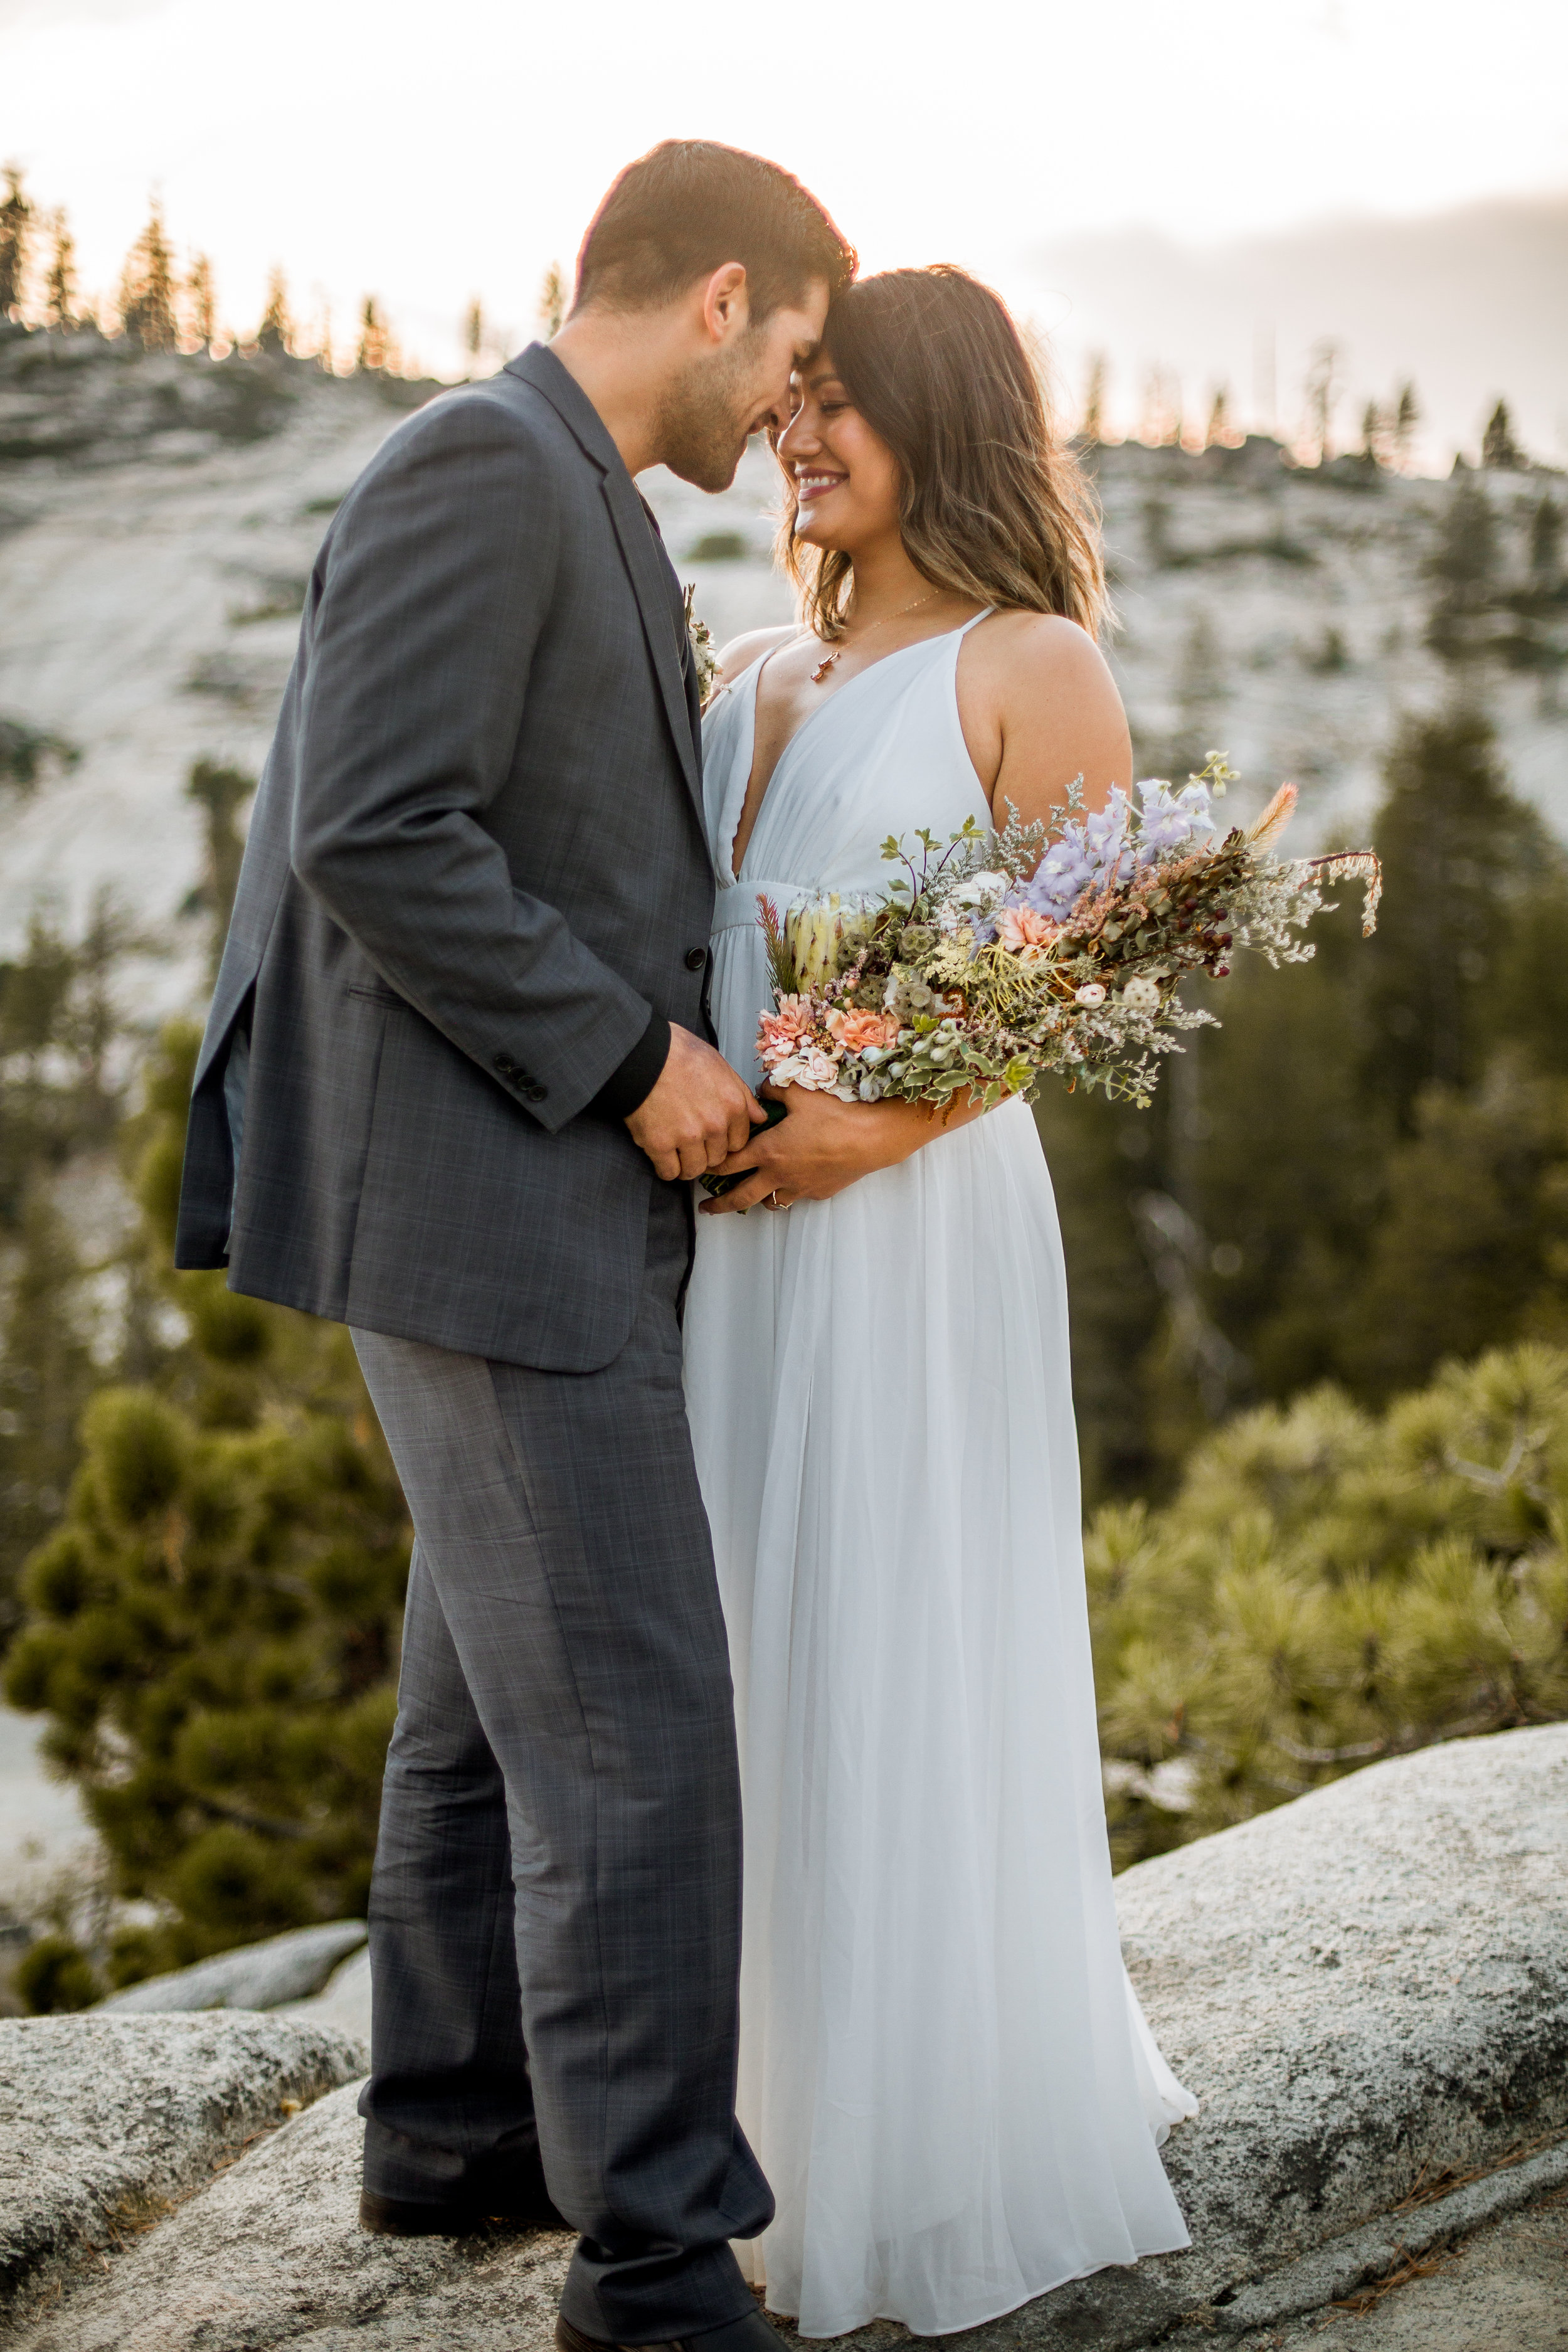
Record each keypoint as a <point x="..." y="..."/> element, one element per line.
<point x="943" y="2069"/>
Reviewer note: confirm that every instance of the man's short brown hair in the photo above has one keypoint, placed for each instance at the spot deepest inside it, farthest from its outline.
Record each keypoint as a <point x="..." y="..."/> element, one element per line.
<point x="688" y="207"/>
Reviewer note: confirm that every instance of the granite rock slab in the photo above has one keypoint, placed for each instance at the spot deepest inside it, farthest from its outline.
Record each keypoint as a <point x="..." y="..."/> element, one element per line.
<point x="271" y="2254"/>
<point x="1367" y="1989"/>
<point x="104" y="2120"/>
<point x="285" y="1967"/>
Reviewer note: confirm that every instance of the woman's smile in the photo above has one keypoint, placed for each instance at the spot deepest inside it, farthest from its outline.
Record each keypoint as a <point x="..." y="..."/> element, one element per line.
<point x="814" y="484"/>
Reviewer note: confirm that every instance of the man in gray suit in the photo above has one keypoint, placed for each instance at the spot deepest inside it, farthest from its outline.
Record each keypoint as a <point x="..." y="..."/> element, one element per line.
<point x="457" y="1068"/>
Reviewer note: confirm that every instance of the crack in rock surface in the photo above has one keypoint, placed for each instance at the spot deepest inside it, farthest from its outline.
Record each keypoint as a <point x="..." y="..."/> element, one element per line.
<point x="104" y="2118"/>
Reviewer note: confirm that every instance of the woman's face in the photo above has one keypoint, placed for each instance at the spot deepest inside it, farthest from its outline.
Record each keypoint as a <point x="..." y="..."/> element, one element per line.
<point x="846" y="479"/>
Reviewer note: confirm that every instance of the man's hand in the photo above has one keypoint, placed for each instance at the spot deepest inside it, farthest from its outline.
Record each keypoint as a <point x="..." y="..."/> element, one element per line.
<point x="823" y="1146"/>
<point x="698" y="1113"/>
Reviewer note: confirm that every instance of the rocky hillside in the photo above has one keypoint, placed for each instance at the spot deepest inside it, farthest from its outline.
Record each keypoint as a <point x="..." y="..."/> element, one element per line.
<point x="158" y="517"/>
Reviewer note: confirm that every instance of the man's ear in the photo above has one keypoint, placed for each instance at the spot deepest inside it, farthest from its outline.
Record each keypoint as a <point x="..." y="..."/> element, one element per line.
<point x="726" y="305"/>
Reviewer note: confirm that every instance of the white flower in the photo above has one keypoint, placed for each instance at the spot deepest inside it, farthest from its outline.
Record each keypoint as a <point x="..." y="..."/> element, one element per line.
<point x="989" y="885"/>
<point x="1140" y="996"/>
<point x="1091" y="993"/>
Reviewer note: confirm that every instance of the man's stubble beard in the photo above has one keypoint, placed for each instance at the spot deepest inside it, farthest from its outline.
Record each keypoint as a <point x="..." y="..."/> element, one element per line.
<point x="703" y="416"/>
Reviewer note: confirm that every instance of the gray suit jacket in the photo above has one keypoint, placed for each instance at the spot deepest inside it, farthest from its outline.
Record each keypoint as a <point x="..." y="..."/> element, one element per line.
<point x="476" y="875"/>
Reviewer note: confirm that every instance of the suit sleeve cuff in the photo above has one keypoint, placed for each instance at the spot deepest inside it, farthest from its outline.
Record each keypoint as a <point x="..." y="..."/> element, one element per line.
<point x="628" y="1089"/>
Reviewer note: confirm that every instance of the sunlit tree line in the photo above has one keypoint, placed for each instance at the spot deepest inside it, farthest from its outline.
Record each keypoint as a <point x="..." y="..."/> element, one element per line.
<point x="1384" y="440"/>
<point x="166" y="303"/>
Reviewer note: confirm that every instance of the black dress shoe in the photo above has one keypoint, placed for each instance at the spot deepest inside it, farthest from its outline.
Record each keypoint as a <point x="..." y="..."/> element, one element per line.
<point x="751" y="2333"/>
<point x="405" y="2217"/>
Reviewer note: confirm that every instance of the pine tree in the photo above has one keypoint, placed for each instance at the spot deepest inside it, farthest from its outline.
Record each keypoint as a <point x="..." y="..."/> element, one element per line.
<point x="59" y="286"/>
<point x="201" y="303"/>
<point x="1464" y="564"/>
<point x="374" y="354"/>
<point x="1217" y="433"/>
<point x="1371" y="432"/>
<point x="221" y="793"/>
<point x="1460" y="851"/>
<point x="474" y="334"/>
<point x="1499" y="450"/>
<point x="15" y="239"/>
<point x="1328" y="1587"/>
<point x="1160" y="424"/>
<point x="147" y="289"/>
<point x="1092" y="430"/>
<point x="46" y="1375"/>
<point x="1407" y="417"/>
<point x="1546" y="543"/>
<point x="554" y="296"/>
<point x="1323" y="394"/>
<point x="212" y="1627"/>
<point x="275" y="333"/>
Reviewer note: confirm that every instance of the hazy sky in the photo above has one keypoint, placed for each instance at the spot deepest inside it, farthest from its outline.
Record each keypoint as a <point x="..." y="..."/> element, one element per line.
<point x="427" y="152"/>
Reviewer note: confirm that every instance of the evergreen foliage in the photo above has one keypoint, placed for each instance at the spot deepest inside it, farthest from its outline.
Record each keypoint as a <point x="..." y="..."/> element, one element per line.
<point x="1465" y="565"/>
<point x="275" y="333"/>
<point x="555" y="300"/>
<point x="59" y="285"/>
<point x="147" y="288"/>
<point x="1329" y="1586"/>
<point x="1499" y="450"/>
<point x="61" y="1099"/>
<point x="374" y="352"/>
<point x="15" y="238"/>
<point x="26" y="752"/>
<point x="212" y="1626"/>
<point x="201" y="302"/>
<point x="1360" y="1174"/>
<point x="1092" y="430"/>
<point x="220" y="792"/>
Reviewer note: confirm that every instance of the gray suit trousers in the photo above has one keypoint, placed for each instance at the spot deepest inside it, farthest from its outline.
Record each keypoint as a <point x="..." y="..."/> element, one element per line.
<point x="555" y="1913"/>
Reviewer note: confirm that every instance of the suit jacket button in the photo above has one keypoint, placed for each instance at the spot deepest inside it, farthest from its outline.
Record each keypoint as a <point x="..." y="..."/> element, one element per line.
<point x="536" y="1094"/>
<point x="505" y="1064"/>
<point x="695" y="959"/>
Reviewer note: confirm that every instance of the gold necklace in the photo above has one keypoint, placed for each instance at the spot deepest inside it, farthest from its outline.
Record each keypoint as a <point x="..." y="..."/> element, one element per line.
<point x="825" y="663"/>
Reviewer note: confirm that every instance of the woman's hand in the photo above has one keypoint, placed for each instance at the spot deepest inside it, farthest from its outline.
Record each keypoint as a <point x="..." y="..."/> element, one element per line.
<point x="825" y="1145"/>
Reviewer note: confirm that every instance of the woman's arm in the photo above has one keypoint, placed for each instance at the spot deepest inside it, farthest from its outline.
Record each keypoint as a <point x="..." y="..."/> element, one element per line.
<point x="825" y="1145"/>
<point x="1039" y="709"/>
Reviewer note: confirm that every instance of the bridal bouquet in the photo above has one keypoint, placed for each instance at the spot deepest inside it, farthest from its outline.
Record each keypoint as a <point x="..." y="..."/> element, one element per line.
<point x="1006" y="955"/>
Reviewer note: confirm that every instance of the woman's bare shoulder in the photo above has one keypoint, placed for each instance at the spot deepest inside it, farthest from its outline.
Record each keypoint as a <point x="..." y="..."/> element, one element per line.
<point x="1039" y="654"/>
<point x="742" y="652"/>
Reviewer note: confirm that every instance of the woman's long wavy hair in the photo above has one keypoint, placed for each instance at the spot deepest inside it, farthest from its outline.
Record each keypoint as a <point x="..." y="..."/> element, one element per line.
<point x="992" y="505"/>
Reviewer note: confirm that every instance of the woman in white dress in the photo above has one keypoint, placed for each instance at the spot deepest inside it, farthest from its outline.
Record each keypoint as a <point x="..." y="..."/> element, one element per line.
<point x="943" y="2070"/>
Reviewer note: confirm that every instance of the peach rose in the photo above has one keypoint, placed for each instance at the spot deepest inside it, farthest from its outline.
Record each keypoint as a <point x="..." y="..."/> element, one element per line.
<point x="784" y="1029"/>
<point x="855" y="1031"/>
<point x="1024" y="927"/>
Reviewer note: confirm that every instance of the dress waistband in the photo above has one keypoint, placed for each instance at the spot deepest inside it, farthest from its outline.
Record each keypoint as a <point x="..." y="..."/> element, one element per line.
<point x="735" y="907"/>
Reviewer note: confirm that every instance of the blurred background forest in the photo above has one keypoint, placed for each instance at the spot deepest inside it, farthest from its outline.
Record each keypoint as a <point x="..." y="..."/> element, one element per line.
<point x="1320" y="1291"/>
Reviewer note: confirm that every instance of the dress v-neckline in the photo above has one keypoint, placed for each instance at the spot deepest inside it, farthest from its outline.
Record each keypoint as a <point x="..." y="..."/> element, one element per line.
<point x="942" y="637"/>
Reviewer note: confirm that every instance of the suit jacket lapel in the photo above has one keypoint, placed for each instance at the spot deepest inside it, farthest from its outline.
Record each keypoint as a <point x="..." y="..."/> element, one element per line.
<point x="653" y="580"/>
<point x="658" y="601"/>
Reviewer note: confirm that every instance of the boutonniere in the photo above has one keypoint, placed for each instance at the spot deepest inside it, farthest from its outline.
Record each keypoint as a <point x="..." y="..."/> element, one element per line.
<point x="704" y="652"/>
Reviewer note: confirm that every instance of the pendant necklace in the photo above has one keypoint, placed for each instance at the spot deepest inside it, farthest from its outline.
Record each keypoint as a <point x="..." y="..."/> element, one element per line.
<point x="825" y="663"/>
